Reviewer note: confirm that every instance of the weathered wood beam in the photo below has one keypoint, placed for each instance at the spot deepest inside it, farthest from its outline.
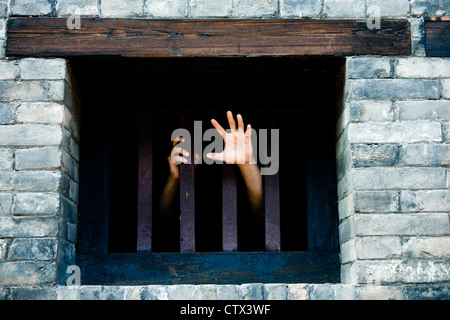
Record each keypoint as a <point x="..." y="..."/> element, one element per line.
<point x="437" y="37"/>
<point x="33" y="36"/>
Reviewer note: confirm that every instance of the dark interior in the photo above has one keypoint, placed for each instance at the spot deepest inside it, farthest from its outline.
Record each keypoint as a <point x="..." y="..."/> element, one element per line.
<point x="300" y="93"/>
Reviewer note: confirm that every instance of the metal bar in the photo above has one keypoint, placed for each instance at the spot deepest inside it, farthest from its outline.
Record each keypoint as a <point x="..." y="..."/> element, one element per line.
<point x="145" y="184"/>
<point x="229" y="208"/>
<point x="187" y="196"/>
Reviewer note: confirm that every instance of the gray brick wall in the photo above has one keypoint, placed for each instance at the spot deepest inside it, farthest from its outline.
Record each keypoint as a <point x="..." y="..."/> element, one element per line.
<point x="393" y="182"/>
<point x="38" y="171"/>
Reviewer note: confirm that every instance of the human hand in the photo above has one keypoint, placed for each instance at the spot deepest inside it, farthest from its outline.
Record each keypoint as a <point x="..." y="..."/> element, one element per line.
<point x="238" y="147"/>
<point x="177" y="156"/>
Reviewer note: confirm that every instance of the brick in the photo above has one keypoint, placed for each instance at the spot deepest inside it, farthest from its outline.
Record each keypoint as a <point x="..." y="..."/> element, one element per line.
<point x="158" y="292"/>
<point x="47" y="69"/>
<point x="77" y="7"/>
<point x="37" y="203"/>
<point x="414" y="271"/>
<point x="275" y="291"/>
<point x="7" y="112"/>
<point x="378" y="247"/>
<point x="418" y="67"/>
<point x="227" y="292"/>
<point x="376" y="201"/>
<point x="30" y="134"/>
<point x="445" y="88"/>
<point x="374" y="154"/>
<point x="207" y="8"/>
<point x="8" y="70"/>
<point x="300" y="8"/>
<point x="6" y="159"/>
<point x="166" y="8"/>
<point x="122" y="8"/>
<point x="430" y="7"/>
<point x="32" y="249"/>
<point x="2" y="48"/>
<point x="347" y="230"/>
<point x="38" y="158"/>
<point x="28" y="226"/>
<point x="6" y="203"/>
<point x="181" y="292"/>
<point x="32" y="90"/>
<point x="70" y="165"/>
<point x="369" y="68"/>
<point x="101" y="292"/>
<point x="30" y="180"/>
<point x="376" y="178"/>
<point x="404" y="224"/>
<point x="252" y="291"/>
<point x="395" y="132"/>
<point x="27" y="273"/>
<point x="428" y="292"/>
<point x="2" y="25"/>
<point x="31" y="293"/>
<point x="204" y="292"/>
<point x="298" y="291"/>
<point x="135" y="293"/>
<point x="255" y="8"/>
<point x="67" y="293"/>
<point x="427" y="109"/>
<point x="30" y="8"/>
<point x="381" y="293"/>
<point x="344" y="292"/>
<point x="3" y="8"/>
<point x="3" y="248"/>
<point x="425" y="200"/>
<point x="425" y="154"/>
<point x="346" y="207"/>
<point x="320" y="292"/>
<point x="371" y="110"/>
<point x="348" y="251"/>
<point x="40" y="112"/>
<point x="426" y="248"/>
<point x="394" y="89"/>
<point x="446" y="131"/>
<point x="388" y="8"/>
<point x="399" y="8"/>
<point x="344" y="8"/>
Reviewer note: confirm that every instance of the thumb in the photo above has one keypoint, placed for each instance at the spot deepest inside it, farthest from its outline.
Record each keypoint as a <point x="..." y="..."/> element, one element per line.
<point x="215" y="156"/>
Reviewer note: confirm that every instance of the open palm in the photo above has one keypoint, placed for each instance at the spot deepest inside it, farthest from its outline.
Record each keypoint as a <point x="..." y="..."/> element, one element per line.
<point x="238" y="147"/>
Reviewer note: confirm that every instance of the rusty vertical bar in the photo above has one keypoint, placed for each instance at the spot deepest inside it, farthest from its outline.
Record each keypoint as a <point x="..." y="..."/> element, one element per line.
<point x="272" y="204"/>
<point x="145" y="174"/>
<point x="187" y="194"/>
<point x="229" y="208"/>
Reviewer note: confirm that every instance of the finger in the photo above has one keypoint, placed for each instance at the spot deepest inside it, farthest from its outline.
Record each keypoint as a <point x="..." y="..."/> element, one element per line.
<point x="240" y="123"/>
<point x="179" y="159"/>
<point x="231" y="120"/>
<point x="177" y="150"/>
<point x="215" y="156"/>
<point x="219" y="128"/>
<point x="177" y="140"/>
<point x="248" y="133"/>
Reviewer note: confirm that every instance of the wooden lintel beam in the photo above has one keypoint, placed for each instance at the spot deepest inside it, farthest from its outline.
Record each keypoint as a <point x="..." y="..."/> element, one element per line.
<point x="50" y="37"/>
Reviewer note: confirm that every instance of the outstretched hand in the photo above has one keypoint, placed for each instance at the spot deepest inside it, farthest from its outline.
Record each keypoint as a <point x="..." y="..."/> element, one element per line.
<point x="238" y="147"/>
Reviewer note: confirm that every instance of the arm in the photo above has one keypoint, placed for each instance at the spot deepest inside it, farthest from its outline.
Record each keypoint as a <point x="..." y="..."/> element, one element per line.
<point x="170" y="189"/>
<point x="238" y="150"/>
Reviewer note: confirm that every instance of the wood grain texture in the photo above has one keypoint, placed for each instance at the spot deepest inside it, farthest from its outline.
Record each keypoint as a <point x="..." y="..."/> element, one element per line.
<point x="211" y="268"/>
<point x="229" y="208"/>
<point x="44" y="36"/>
<point x="145" y="185"/>
<point x="437" y="38"/>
